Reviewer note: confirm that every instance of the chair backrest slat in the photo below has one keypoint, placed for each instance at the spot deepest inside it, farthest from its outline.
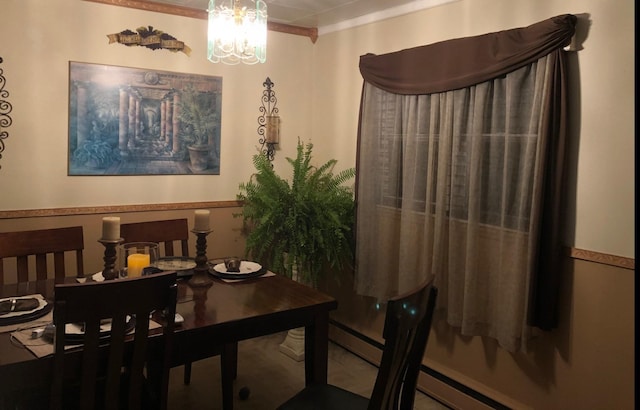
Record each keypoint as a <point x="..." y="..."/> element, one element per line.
<point x="89" y="363"/>
<point x="118" y="332"/>
<point x="163" y="232"/>
<point x="406" y="331"/>
<point x="22" y="266"/>
<point x="37" y="244"/>
<point x="58" y="263"/>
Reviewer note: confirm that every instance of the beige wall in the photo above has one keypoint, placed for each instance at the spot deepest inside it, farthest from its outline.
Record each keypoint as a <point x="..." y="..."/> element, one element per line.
<point x="586" y="363"/>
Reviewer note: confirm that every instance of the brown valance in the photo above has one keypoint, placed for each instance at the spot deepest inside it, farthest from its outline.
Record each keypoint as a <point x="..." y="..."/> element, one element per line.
<point x="463" y="62"/>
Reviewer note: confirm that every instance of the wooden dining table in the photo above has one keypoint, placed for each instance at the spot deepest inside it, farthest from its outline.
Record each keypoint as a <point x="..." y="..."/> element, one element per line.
<point x="216" y="317"/>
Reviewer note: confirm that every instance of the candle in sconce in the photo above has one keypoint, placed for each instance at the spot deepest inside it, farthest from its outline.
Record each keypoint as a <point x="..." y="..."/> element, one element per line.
<point x="201" y="222"/>
<point x="136" y="262"/>
<point x="273" y="129"/>
<point x="111" y="228"/>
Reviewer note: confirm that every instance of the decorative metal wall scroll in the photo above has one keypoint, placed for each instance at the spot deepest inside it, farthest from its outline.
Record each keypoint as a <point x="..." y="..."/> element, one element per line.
<point x="150" y="38"/>
<point x="269" y="121"/>
<point x="5" y="110"/>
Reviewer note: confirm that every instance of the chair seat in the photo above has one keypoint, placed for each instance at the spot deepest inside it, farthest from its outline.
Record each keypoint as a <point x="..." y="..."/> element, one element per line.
<point x="324" y="397"/>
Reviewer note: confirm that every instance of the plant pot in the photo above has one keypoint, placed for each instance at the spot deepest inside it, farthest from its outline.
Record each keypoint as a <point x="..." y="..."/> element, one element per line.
<point x="199" y="157"/>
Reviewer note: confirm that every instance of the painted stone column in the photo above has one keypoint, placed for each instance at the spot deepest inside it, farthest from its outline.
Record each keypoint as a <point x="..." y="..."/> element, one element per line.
<point x="176" y="122"/>
<point x="163" y="127"/>
<point x="132" y="121"/>
<point x="123" y="125"/>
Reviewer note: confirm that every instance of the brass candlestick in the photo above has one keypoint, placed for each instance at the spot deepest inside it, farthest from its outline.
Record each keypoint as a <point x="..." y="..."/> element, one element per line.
<point x="110" y="255"/>
<point x="201" y="271"/>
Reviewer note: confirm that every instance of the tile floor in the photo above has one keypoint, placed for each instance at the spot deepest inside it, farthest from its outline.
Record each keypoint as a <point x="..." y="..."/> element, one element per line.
<point x="272" y="377"/>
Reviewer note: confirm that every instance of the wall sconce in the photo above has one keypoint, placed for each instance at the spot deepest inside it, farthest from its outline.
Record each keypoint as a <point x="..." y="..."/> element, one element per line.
<point x="5" y="110"/>
<point x="269" y="121"/>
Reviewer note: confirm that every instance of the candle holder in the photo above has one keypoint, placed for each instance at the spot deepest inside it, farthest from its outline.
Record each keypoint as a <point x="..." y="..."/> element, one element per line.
<point x="200" y="276"/>
<point x="110" y="254"/>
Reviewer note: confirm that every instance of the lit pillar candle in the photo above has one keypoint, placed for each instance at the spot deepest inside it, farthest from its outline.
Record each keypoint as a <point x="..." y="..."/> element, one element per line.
<point x="136" y="262"/>
<point x="111" y="228"/>
<point x="201" y="220"/>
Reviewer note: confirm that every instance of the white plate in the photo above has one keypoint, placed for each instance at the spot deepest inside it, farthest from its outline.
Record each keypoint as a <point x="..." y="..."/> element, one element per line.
<point x="41" y="304"/>
<point x="246" y="267"/>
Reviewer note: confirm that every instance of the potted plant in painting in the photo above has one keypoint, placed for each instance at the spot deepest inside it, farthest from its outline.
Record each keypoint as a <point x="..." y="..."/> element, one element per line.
<point x="304" y="225"/>
<point x="198" y="118"/>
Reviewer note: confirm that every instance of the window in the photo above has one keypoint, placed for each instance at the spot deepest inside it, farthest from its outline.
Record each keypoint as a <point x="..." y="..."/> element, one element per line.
<point x="463" y="142"/>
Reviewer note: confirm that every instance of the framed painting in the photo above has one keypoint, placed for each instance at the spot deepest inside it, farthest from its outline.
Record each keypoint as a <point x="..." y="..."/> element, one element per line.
<point x="132" y="121"/>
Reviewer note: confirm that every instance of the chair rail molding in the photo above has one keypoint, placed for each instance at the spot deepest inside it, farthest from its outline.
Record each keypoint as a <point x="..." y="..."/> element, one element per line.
<point x="112" y="209"/>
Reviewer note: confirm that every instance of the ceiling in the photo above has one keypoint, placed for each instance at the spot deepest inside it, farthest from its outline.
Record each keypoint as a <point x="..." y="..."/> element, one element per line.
<point x="323" y="13"/>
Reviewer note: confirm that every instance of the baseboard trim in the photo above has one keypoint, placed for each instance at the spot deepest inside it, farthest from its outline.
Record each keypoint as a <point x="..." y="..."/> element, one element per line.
<point x="435" y="384"/>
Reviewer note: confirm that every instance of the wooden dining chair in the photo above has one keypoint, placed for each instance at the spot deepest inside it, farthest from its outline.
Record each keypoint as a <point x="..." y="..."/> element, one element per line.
<point x="36" y="245"/>
<point x="113" y="364"/>
<point x="406" y="331"/>
<point x="167" y="232"/>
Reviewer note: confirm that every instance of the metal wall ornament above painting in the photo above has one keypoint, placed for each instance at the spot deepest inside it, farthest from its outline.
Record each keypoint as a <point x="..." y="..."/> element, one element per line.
<point x="150" y="38"/>
<point x="5" y="110"/>
<point x="269" y="121"/>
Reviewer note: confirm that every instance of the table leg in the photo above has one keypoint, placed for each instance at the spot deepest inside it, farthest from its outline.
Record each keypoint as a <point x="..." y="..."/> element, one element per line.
<point x="228" y="363"/>
<point x="316" y="346"/>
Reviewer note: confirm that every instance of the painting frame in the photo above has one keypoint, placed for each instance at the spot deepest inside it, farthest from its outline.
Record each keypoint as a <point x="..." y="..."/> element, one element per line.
<point x="137" y="121"/>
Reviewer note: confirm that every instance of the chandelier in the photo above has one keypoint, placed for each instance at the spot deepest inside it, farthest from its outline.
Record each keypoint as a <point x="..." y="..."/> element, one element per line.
<point x="237" y="31"/>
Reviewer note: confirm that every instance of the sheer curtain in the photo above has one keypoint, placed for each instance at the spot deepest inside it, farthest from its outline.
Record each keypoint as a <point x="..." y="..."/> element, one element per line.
<point x="460" y="160"/>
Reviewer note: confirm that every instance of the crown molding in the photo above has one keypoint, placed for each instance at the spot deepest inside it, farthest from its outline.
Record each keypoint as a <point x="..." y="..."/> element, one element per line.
<point x="146" y="5"/>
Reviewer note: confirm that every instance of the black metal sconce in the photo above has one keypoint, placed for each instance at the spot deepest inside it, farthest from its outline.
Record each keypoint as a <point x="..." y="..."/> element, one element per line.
<point x="5" y="109"/>
<point x="268" y="121"/>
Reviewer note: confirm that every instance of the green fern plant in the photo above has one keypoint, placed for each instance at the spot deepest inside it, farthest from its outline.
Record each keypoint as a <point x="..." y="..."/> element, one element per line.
<point x="304" y="224"/>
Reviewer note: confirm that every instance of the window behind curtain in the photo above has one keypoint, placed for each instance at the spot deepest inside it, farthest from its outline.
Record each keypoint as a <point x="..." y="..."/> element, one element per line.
<point x="461" y="182"/>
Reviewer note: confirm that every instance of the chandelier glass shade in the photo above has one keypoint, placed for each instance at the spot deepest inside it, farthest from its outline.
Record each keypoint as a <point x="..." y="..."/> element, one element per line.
<point x="237" y="31"/>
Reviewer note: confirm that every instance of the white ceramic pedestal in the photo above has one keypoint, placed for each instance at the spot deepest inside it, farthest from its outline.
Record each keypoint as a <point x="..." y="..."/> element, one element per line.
<point x="293" y="345"/>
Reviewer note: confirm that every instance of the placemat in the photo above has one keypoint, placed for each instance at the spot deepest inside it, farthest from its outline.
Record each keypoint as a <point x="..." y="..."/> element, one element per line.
<point x="40" y="346"/>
